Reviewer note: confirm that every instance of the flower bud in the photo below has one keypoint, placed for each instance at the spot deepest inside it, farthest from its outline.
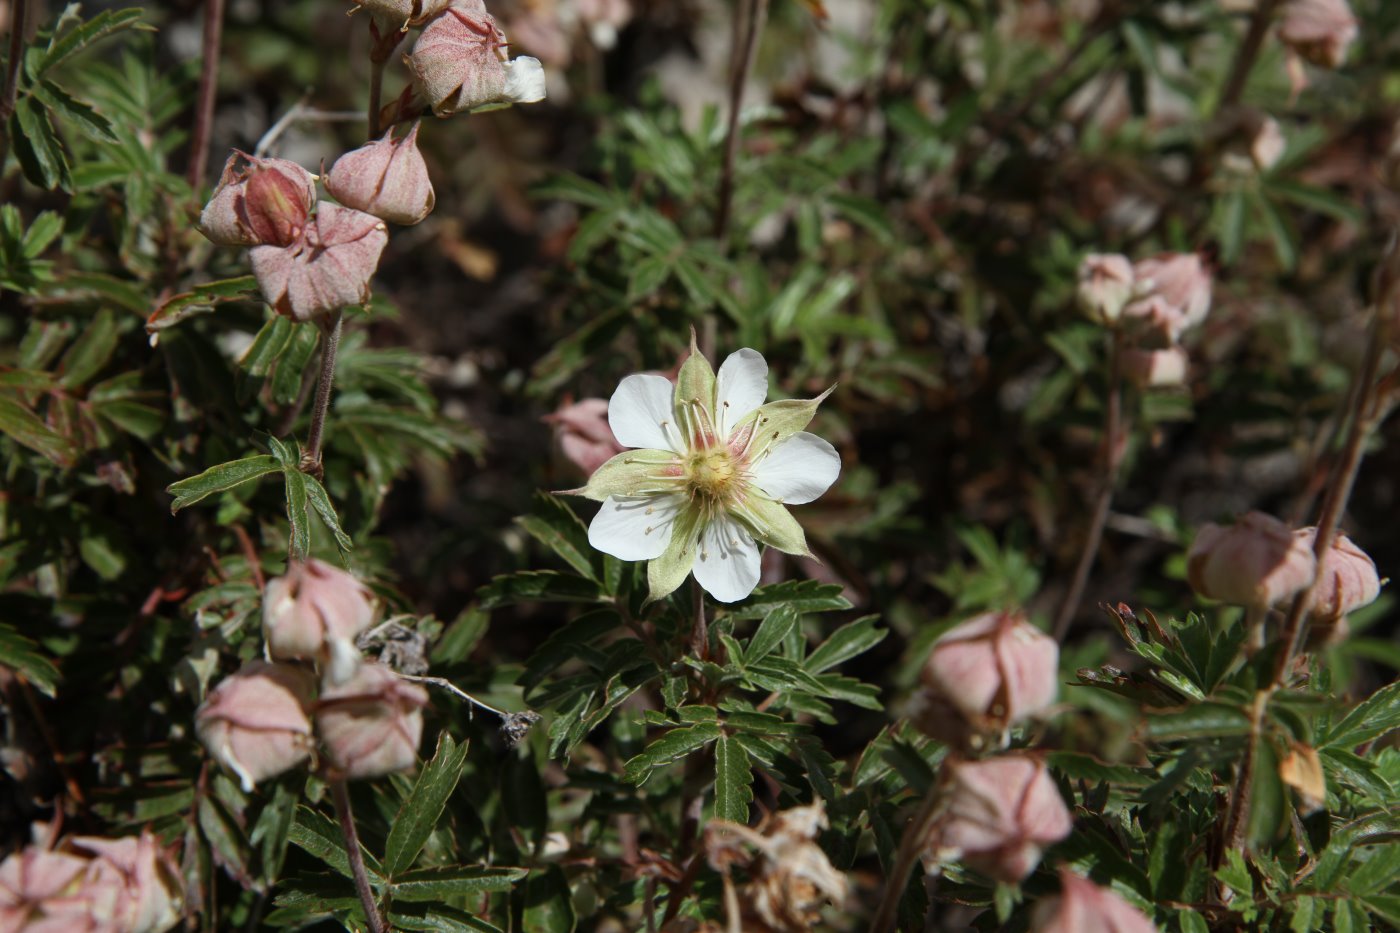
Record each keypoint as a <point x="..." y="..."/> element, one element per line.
<point x="1002" y="812"/>
<point x="402" y="13"/>
<point x="1155" y="369"/>
<point x="584" y="435"/>
<point x="327" y="269"/>
<point x="266" y="203"/>
<point x="1268" y="145"/>
<point x="1172" y="290"/>
<point x="1346" y="577"/>
<point x="1319" y="31"/>
<point x="132" y="882"/>
<point x="314" y="613"/>
<point x="458" y="63"/>
<point x="1105" y="285"/>
<point x="37" y="889"/>
<point x="254" y="723"/>
<point x="388" y="179"/>
<point x="371" y="724"/>
<point x="1256" y="562"/>
<point x="1084" y="907"/>
<point x="986" y="674"/>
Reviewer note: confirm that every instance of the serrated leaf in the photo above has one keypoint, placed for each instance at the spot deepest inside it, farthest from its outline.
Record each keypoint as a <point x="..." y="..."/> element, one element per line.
<point x="1368" y="720"/>
<point x="803" y="596"/>
<point x="20" y="654"/>
<point x="291" y="364"/>
<point x="548" y="904"/>
<point x="73" y="41"/>
<point x="29" y="430"/>
<point x="554" y="524"/>
<point x="438" y="884"/>
<point x="224" y="836"/>
<point x="423" y="806"/>
<point x="733" y="780"/>
<point x="771" y="632"/>
<point x="567" y="643"/>
<point x="538" y="586"/>
<point x="90" y="352"/>
<point x="201" y="300"/>
<point x="673" y="746"/>
<point x="1268" y="800"/>
<point x="321" y="837"/>
<point x="321" y="502"/>
<point x="271" y="832"/>
<point x="220" y="478"/>
<point x="37" y="147"/>
<point x="848" y="641"/>
<point x="78" y="112"/>
<point x="298" y="513"/>
<point x="437" y="918"/>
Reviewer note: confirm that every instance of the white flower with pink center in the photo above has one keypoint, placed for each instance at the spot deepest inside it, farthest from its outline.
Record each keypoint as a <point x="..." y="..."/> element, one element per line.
<point x="710" y="475"/>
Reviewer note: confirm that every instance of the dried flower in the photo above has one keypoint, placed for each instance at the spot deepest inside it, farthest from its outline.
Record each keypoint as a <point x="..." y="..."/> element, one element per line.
<point x="1002" y="812"/>
<point x="254" y="723"/>
<point x="584" y="435"/>
<point x="265" y="203"/>
<point x="131" y="882"/>
<point x="371" y="725"/>
<point x="1301" y="769"/>
<point x="327" y="269"/>
<point x="387" y="178"/>
<point x="1155" y="369"/>
<point x="1255" y="562"/>
<point x="713" y="470"/>
<point x="1319" y="31"/>
<point x="984" y="675"/>
<point x="1172" y="291"/>
<point x="459" y="63"/>
<point x="314" y="613"/>
<point x="1105" y="285"/>
<point x="1084" y="907"/>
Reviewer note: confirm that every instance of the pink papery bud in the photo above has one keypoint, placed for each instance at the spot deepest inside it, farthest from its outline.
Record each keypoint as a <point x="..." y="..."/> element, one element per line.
<point x="1346" y="578"/>
<point x="1156" y="369"/>
<point x="986" y="674"/>
<point x="1173" y="291"/>
<point x="1084" y="907"/>
<point x="1268" y="145"/>
<point x="39" y="890"/>
<point x="1105" y="285"/>
<point x="265" y="203"/>
<point x="1256" y="562"/>
<point x="131" y="882"/>
<point x="402" y="13"/>
<point x="458" y="63"/>
<point x="388" y="179"/>
<point x="371" y="724"/>
<point x="1319" y="31"/>
<point x="327" y="269"/>
<point x="584" y="435"/>
<point x="255" y="723"/>
<point x="1002" y="812"/>
<point x="314" y="613"/>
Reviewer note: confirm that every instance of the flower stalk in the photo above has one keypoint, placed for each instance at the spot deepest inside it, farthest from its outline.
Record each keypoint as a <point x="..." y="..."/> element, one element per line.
<point x="905" y="859"/>
<point x="739" y="75"/>
<point x="341" y="795"/>
<point x="331" y="329"/>
<point x="208" y="89"/>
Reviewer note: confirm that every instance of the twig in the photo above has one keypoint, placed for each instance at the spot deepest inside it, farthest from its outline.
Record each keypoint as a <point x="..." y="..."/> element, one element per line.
<point x="331" y="329"/>
<point x="743" y="64"/>
<point x="250" y="554"/>
<point x="19" y="11"/>
<point x="903" y="866"/>
<point x="1248" y="53"/>
<point x="208" y="90"/>
<point x="341" y="796"/>
<point x="300" y="111"/>
<point x="453" y="688"/>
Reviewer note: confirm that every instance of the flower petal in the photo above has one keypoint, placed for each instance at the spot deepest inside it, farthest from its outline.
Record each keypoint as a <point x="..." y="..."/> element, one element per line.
<point x="727" y="565"/>
<point x="639" y="409"/>
<point x="742" y="386"/>
<point x="634" y="527"/>
<point x="798" y="469"/>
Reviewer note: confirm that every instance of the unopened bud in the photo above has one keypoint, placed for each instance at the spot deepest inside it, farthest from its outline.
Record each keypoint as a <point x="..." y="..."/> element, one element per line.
<point x="254" y="722"/>
<point x="1084" y="907"/>
<point x="1346" y="581"/>
<point x="328" y="269"/>
<point x="458" y="63"/>
<point x="387" y="178"/>
<point x="1172" y="289"/>
<point x="131" y="883"/>
<point x="402" y="13"/>
<point x="584" y="435"/>
<point x="371" y="725"/>
<point x="314" y="613"/>
<point x="265" y="203"/>
<point x="1255" y="562"/>
<point x="1105" y="285"/>
<point x="40" y="889"/>
<point x="1318" y="31"/>
<point x="1156" y="369"/>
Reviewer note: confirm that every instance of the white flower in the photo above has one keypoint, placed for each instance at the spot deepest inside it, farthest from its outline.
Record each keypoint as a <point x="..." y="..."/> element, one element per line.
<point x="712" y="471"/>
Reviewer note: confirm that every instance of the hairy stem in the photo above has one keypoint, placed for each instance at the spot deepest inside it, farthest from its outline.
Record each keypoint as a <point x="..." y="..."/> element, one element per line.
<point x="903" y="866"/>
<point x="1108" y="482"/>
<point x="1248" y="53"/>
<point x="19" y="12"/>
<point x="739" y="75"/>
<point x="208" y="89"/>
<point x="341" y="795"/>
<point x="331" y="328"/>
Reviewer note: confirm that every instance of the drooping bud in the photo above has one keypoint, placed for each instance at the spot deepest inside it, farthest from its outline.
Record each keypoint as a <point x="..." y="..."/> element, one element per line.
<point x="265" y="203"/>
<point x="985" y="675"/>
<point x="402" y="13"/>
<point x="1318" y="31"/>
<point x="1084" y="907"/>
<point x="371" y="725"/>
<point x="1346" y="578"/>
<point x="1155" y="369"/>
<point x="388" y="179"/>
<point x="254" y="723"/>
<point x="1255" y="562"/>
<point x="131" y="880"/>
<point x="1105" y="285"/>
<point x="1002" y="812"/>
<point x="1173" y="290"/>
<point x="39" y="887"/>
<point x="314" y="613"/>
<point x="329" y="268"/>
<point x="584" y="435"/>
<point x="459" y="63"/>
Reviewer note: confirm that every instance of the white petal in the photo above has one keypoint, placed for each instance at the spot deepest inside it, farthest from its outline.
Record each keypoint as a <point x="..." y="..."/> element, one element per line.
<point x="740" y="386"/>
<point x="727" y="565"/>
<point x="639" y="408"/>
<point x="798" y="470"/>
<point x="634" y="527"/>
<point x="524" y="80"/>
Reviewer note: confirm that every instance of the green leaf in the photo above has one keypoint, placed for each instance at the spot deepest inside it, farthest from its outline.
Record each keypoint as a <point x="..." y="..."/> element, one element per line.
<point x="80" y="113"/>
<point x="673" y="746"/>
<point x="771" y="632"/>
<point x="1353" y="770"/>
<point x="224" y="836"/>
<point x="44" y="229"/>
<point x="538" y="586"/>
<point x="846" y="642"/>
<point x="1368" y="720"/>
<point x="437" y="918"/>
<point x="804" y="596"/>
<point x="20" y="654"/>
<point x="90" y="352"/>
<point x="291" y="364"/>
<point x="554" y="524"/>
<point x="733" y="780"/>
<point x="1229" y="223"/>
<point x="203" y="299"/>
<point x="298" y="513"/>
<point x="275" y="822"/>
<point x="1319" y="200"/>
<point x="220" y="478"/>
<point x="1268" y="801"/>
<point x="438" y="884"/>
<point x="1198" y="721"/>
<point x="548" y="904"/>
<point x="73" y="41"/>
<point x="27" y="429"/>
<point x="321" y="502"/>
<point x="321" y="837"/>
<point x="423" y="806"/>
<point x="567" y="643"/>
<point x="37" y="148"/>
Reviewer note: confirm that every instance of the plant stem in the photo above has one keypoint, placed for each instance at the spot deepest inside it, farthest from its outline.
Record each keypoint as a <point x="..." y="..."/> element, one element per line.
<point x="903" y="867"/>
<point x="1108" y="482"/>
<point x="208" y="89"/>
<point x="376" y="91"/>
<point x="1248" y="53"/>
<point x="331" y="329"/>
<point x="739" y="76"/>
<point x="19" y="11"/>
<point x="341" y="795"/>
<point x="700" y="632"/>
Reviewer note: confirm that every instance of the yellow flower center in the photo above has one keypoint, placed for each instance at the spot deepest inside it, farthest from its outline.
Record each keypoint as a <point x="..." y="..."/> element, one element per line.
<point x="712" y="474"/>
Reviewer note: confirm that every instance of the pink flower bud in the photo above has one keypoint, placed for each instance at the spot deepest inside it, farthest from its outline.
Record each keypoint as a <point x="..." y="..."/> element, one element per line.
<point x="266" y="203"/>
<point x="314" y="613"/>
<point x="1255" y="562"/>
<point x="458" y="63"/>
<point x="1002" y="812"/>
<point x="1084" y="907"/>
<point x="403" y="13"/>
<point x="1153" y="369"/>
<point x="986" y="674"/>
<point x="1319" y="31"/>
<point x="388" y="179"/>
<point x="371" y="724"/>
<point x="1268" y="145"/>
<point x="1346" y="578"/>
<point x="328" y="268"/>
<point x="37" y="889"/>
<point x="584" y="434"/>
<point x="254" y="723"/>
<point x="1173" y="290"/>
<point x="135" y="879"/>
<point x="1105" y="285"/>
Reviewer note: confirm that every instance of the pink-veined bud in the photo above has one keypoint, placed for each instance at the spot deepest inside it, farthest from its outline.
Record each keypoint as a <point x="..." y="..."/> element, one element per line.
<point x="1105" y="285"/>
<point x="1318" y="31"/>
<point x="328" y="268"/>
<point x="1346" y="581"/>
<point x="400" y="14"/>
<point x="584" y="435"/>
<point x="986" y="674"/>
<point x="39" y="888"/>
<point x="131" y="883"/>
<point x="1268" y="145"/>
<point x="1255" y="562"/>
<point x="254" y="722"/>
<point x="1173" y="291"/>
<point x="371" y="724"/>
<point x="314" y="613"/>
<point x="387" y="178"/>
<point x="1002" y="812"/>
<point x="264" y="203"/>
<point x="458" y="63"/>
<point x="1084" y="907"/>
<point x="1155" y="369"/>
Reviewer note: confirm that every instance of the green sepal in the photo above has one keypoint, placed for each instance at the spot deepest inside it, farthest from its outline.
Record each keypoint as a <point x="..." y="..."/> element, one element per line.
<point x="667" y="572"/>
<point x="778" y="421"/>
<point x="696" y="380"/>
<point x="772" y="524"/>
<point x="626" y="474"/>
